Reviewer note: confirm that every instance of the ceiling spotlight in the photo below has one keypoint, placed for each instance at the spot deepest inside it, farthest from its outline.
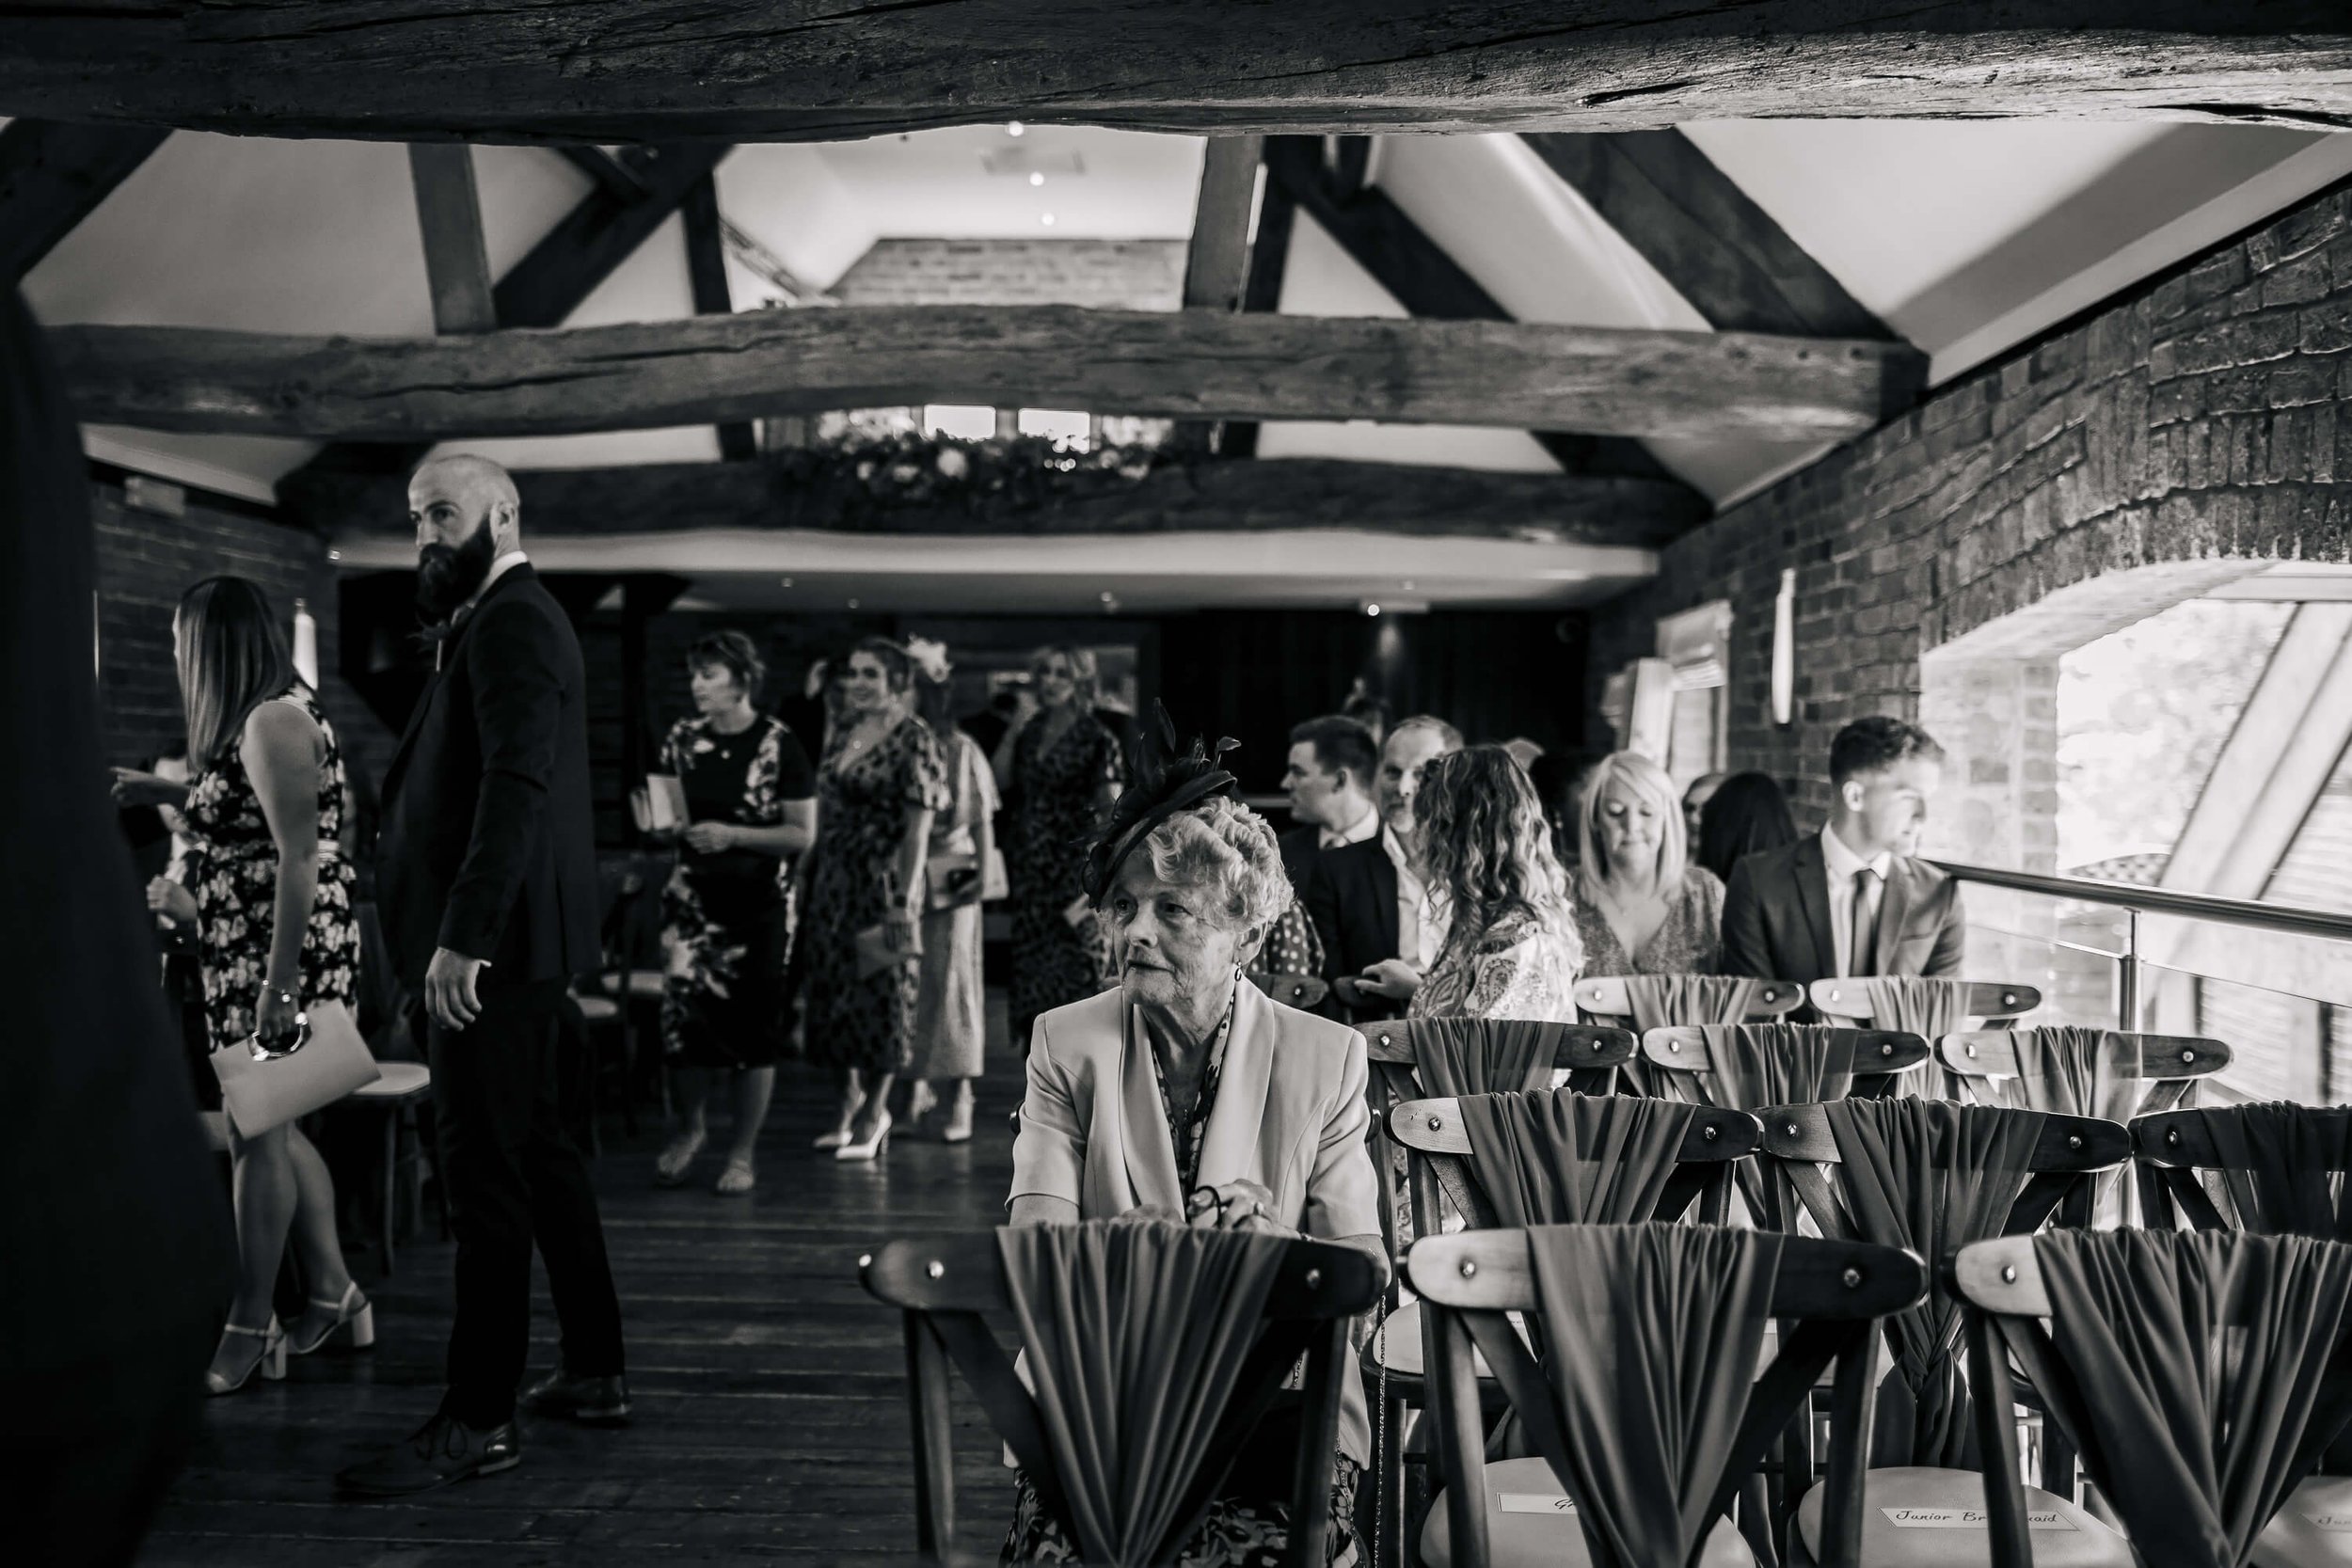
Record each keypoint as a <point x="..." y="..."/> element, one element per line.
<point x="1036" y="176"/>
<point x="1371" y="609"/>
<point x="852" y="604"/>
<point x="334" y="555"/>
<point x="1015" y="129"/>
<point x="1109" y="598"/>
<point x="786" y="581"/>
<point x="1407" y="585"/>
<point x="1047" y="219"/>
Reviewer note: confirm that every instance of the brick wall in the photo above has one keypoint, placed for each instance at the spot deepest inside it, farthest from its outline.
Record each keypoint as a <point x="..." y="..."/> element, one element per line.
<point x="2197" y="420"/>
<point x="146" y="561"/>
<point x="1107" y="274"/>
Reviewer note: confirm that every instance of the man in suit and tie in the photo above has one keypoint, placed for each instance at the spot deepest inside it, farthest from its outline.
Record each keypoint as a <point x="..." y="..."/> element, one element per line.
<point x="487" y="890"/>
<point x="1852" y="899"/>
<point x="1330" y="782"/>
<point x="1366" y="900"/>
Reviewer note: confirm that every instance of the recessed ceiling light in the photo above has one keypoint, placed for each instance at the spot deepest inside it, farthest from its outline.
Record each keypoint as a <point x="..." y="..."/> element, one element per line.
<point x="1015" y="129"/>
<point x="1109" y="598"/>
<point x="334" y="555"/>
<point x="1407" y="585"/>
<point x="852" y="604"/>
<point x="1047" y="219"/>
<point x="1036" y="176"/>
<point x="786" y="581"/>
<point x="1372" y="608"/>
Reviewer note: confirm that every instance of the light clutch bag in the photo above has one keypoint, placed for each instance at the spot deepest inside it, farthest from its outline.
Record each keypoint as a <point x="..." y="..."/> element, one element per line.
<point x="261" y="1088"/>
<point x="877" y="951"/>
<point x="962" y="877"/>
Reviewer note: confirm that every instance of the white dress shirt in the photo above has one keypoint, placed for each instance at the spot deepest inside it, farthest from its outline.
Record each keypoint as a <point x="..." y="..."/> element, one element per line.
<point x="1840" y="864"/>
<point x="1354" y="833"/>
<point x="1420" y="934"/>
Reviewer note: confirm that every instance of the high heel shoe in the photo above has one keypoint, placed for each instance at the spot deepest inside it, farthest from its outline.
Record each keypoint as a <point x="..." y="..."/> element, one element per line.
<point x="270" y="1362"/>
<point x="840" y="1135"/>
<point x="921" y="1101"/>
<point x="875" y="1143"/>
<point x="958" y="1127"/>
<point x="354" y="1309"/>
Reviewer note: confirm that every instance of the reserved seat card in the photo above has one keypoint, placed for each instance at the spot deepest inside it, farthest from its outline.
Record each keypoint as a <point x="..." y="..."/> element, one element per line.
<point x="1969" y="1518"/>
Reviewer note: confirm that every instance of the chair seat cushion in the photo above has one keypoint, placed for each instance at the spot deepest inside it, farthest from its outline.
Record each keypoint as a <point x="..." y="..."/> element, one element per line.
<point x="1398" y="1343"/>
<point x="2314" y="1527"/>
<point x="1920" y="1517"/>
<point x="642" y="985"/>
<point x="400" y="1080"/>
<point x="1530" y="1520"/>
<point x="597" y="1009"/>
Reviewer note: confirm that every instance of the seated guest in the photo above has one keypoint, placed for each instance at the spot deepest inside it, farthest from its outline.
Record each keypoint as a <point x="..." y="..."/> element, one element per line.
<point x="1371" y="712"/>
<point x="1694" y="800"/>
<point x="1640" y="907"/>
<point x="1747" y="814"/>
<point x="1330" y="782"/>
<point x="1187" y="1091"/>
<point x="1559" y="779"/>
<point x="1366" y="899"/>
<point x="1852" y="899"/>
<point x="1509" y="947"/>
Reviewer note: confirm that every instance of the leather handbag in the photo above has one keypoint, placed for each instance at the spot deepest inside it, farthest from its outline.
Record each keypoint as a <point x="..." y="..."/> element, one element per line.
<point x="261" y="1088"/>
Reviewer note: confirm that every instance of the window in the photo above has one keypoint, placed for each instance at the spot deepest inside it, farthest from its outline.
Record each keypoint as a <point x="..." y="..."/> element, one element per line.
<point x="963" y="421"/>
<point x="1068" y="431"/>
<point x="1696" y="644"/>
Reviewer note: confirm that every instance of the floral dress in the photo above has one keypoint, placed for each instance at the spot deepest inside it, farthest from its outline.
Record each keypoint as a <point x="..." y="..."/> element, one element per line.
<point x="1690" y="940"/>
<point x="726" y="918"/>
<point x="862" y="801"/>
<point x="1513" y="969"/>
<point x="1058" y="796"/>
<point x="232" y="875"/>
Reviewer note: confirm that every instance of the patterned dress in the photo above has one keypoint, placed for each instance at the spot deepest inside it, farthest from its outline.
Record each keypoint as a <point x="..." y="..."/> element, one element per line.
<point x="950" y="1006"/>
<point x="1058" y="795"/>
<point x="1513" y="969"/>
<point x="1689" y="942"/>
<point x="862" y="801"/>
<point x="232" y="875"/>
<point x="726" y="918"/>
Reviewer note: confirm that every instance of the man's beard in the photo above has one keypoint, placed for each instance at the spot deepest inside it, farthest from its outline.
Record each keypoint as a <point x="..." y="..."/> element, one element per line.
<point x="447" y="576"/>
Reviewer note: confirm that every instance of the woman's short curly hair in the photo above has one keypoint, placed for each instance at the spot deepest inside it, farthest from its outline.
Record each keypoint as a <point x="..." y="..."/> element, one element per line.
<point x="1223" y="845"/>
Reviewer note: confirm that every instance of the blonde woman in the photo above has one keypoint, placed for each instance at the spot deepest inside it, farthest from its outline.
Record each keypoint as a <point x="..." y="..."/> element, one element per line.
<point x="1642" y="907"/>
<point x="1510" y="948"/>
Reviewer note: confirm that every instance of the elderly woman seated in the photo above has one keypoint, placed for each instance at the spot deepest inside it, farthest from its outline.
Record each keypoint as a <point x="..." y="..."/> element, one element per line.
<point x="1186" y="1090"/>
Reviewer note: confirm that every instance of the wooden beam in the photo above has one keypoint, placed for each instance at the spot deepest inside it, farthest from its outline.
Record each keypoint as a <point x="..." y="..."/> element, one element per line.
<point x="707" y="273"/>
<point x="1242" y="497"/>
<point x="1705" y="236"/>
<point x="1191" y="364"/>
<point x="1379" y="237"/>
<point x="53" y="176"/>
<point x="1261" y="292"/>
<point x="556" y="274"/>
<point x="1216" y="262"/>
<point x="620" y="70"/>
<point x="448" y="213"/>
<point x="618" y="179"/>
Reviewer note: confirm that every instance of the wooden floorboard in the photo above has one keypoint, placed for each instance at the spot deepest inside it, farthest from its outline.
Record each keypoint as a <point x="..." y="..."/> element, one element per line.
<point x="771" y="1409"/>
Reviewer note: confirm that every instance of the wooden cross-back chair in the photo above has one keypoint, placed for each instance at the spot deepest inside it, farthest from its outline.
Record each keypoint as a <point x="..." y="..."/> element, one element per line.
<point x="1827" y="1295"/>
<point x="1849" y="998"/>
<point x="1605" y="996"/>
<point x="2175" y="1156"/>
<point x="2067" y="1154"/>
<point x="2168" y="1065"/>
<point x="1303" y="991"/>
<point x="2013" y="1321"/>
<point x="943" y="1286"/>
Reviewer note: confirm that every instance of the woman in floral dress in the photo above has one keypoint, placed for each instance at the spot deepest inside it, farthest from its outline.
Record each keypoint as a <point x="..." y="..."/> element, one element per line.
<point x="1058" y="768"/>
<point x="882" y="779"/>
<point x="1511" y="948"/>
<point x="269" y="895"/>
<point x="727" y="909"/>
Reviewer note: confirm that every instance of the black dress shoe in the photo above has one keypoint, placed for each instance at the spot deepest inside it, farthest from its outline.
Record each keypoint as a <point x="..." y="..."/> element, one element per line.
<point x="592" y="1401"/>
<point x="443" y="1450"/>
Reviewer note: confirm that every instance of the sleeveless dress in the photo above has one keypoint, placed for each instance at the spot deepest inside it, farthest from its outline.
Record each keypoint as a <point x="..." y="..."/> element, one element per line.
<point x="862" y="801"/>
<point x="1690" y="940"/>
<point x="727" y="917"/>
<point x="233" y="878"/>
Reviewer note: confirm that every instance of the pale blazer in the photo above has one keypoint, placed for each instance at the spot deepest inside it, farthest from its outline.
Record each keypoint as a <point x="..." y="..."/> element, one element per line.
<point x="1291" y="1116"/>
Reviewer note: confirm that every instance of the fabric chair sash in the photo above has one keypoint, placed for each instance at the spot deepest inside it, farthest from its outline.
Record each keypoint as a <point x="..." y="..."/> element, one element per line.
<point x="1460" y="1056"/>
<point x="1150" y="1362"/>
<point x="1922" y="1007"/>
<point x="1554" y="1156"/>
<point x="1663" y="1001"/>
<point x="1749" y="1066"/>
<point x="2205" y="1371"/>
<point x="2284" y="1165"/>
<point x="2075" y="1073"/>
<point x="1932" y="1176"/>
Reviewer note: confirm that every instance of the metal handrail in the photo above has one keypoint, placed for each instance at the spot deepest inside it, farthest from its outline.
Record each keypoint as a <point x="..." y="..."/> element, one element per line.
<point x="2156" y="900"/>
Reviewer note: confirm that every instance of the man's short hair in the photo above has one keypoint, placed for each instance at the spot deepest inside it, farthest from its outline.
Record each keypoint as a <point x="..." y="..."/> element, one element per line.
<point x="1875" y="744"/>
<point x="1448" y="737"/>
<point x="1339" y="743"/>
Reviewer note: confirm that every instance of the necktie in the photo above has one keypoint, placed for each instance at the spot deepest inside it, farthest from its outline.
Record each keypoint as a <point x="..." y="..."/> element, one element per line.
<point x="1861" y="958"/>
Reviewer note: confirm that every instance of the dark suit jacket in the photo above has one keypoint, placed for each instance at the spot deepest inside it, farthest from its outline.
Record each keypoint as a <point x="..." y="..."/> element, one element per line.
<point x="1776" y="917"/>
<point x="488" y="846"/>
<point x="1300" y="846"/>
<point x="1350" y="894"/>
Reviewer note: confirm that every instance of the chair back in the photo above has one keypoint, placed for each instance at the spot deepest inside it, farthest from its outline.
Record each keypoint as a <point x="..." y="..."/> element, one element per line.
<point x="2155" y="1070"/>
<point x="944" y="1286"/>
<point x="1702" y="1063"/>
<point x="1303" y="991"/>
<point x="2200" y="1375"/>
<point x="1870" y="999"/>
<point x="1827" y="1296"/>
<point x="2279" y="1168"/>
<point x="1631" y="998"/>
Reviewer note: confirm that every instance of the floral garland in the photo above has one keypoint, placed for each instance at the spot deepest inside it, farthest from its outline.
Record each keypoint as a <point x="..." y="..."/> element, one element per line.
<point x="867" y="482"/>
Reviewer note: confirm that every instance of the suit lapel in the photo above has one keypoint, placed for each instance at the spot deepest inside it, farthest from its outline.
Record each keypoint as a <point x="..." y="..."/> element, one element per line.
<point x="1228" y="1147"/>
<point x="1148" y="1151"/>
<point x="444" y="660"/>
<point x="1812" y="893"/>
<point x="1894" y="911"/>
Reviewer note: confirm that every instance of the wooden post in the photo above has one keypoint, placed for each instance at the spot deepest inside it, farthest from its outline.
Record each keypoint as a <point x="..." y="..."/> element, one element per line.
<point x="449" y="211"/>
<point x="706" y="269"/>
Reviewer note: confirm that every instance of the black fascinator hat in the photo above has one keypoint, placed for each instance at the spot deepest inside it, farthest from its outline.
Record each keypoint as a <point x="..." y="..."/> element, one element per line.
<point x="1164" y="784"/>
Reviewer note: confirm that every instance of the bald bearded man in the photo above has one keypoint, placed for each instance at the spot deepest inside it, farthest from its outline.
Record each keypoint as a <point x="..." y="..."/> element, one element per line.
<point x="488" y="889"/>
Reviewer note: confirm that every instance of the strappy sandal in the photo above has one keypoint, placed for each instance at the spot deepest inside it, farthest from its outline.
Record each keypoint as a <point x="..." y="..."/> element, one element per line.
<point x="270" y="1362"/>
<point x="737" y="1179"/>
<point x="670" y="1164"/>
<point x="352" y="1309"/>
